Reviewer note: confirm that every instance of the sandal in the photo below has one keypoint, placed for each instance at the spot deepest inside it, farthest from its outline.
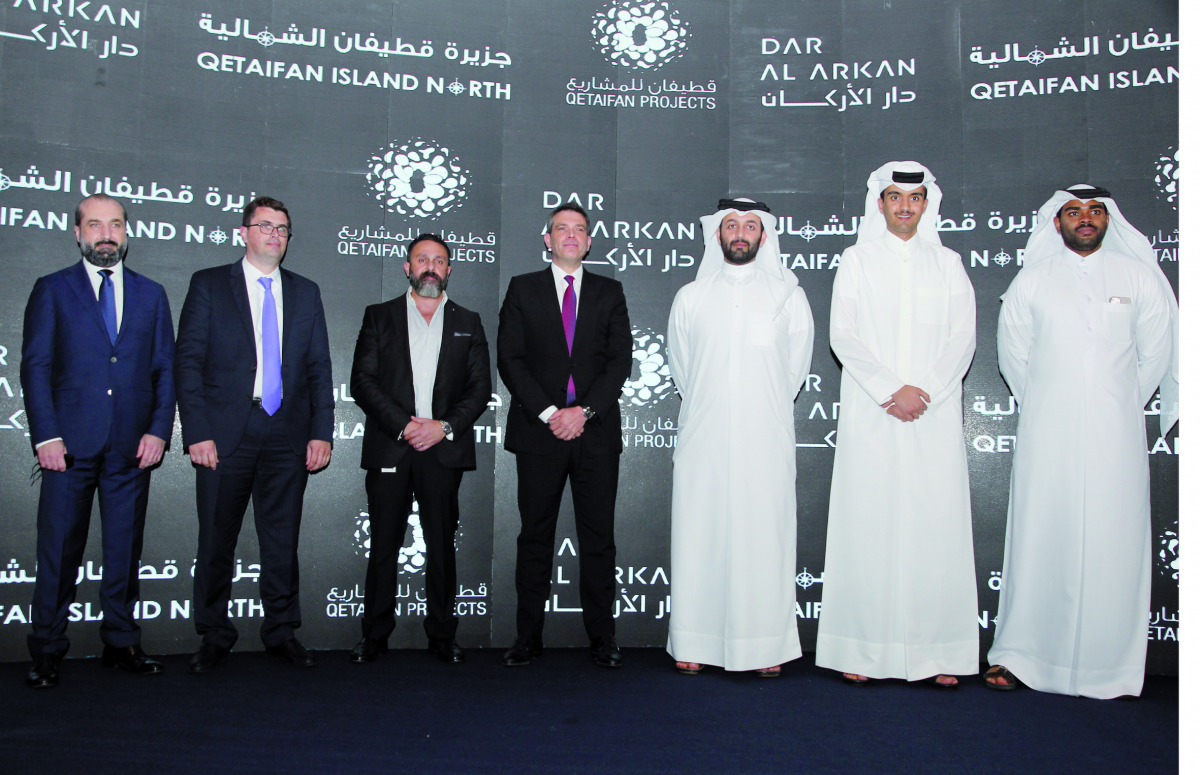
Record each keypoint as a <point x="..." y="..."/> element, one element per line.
<point x="689" y="668"/>
<point x="770" y="672"/>
<point x="996" y="672"/>
<point x="933" y="681"/>
<point x="855" y="679"/>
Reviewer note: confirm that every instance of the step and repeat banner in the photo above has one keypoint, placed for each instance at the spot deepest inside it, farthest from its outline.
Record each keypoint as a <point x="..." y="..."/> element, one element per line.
<point x="375" y="121"/>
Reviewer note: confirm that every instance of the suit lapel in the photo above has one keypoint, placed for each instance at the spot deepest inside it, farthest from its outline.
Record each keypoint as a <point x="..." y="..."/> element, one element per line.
<point x="400" y="350"/>
<point x="241" y="298"/>
<point x="547" y="296"/>
<point x="448" y="320"/>
<point x="289" y="307"/>
<point x="131" y="288"/>
<point x="81" y="286"/>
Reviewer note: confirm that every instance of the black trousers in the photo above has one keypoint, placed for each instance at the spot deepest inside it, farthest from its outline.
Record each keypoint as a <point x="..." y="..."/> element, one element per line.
<point x="540" y="483"/>
<point x="390" y="499"/>
<point x="266" y="470"/>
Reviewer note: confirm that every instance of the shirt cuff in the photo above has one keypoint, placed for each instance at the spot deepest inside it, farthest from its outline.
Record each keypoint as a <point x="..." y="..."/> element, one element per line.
<point x="41" y="444"/>
<point x="545" y="415"/>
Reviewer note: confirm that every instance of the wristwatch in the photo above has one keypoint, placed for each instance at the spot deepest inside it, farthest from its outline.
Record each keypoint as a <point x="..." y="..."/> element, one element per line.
<point x="446" y="429"/>
<point x="587" y="412"/>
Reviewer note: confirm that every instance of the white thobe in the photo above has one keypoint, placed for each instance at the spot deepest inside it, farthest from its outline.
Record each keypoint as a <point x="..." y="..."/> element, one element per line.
<point x="739" y="346"/>
<point x="899" y="597"/>
<point x="1083" y="341"/>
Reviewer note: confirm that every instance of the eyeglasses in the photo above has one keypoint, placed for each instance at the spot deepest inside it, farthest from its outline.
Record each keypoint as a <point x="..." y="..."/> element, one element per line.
<point x="269" y="228"/>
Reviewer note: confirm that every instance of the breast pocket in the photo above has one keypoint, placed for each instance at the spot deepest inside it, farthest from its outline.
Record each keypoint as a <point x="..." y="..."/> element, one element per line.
<point x="1118" y="322"/>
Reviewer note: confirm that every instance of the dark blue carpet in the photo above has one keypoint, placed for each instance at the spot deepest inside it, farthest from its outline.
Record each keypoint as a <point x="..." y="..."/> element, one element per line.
<point x="409" y="713"/>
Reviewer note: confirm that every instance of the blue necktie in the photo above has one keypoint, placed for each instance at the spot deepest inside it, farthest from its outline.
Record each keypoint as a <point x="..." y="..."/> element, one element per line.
<point x="272" y="374"/>
<point x="568" y="316"/>
<point x="108" y="305"/>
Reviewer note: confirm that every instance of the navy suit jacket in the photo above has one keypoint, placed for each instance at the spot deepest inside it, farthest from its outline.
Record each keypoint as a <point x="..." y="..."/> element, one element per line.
<point x="532" y="356"/>
<point x="215" y="360"/>
<point x="381" y="381"/>
<point x="84" y="389"/>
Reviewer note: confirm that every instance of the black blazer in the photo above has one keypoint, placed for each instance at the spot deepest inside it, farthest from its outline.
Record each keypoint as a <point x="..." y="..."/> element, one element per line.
<point x="215" y="360"/>
<point x="381" y="382"/>
<point x="531" y="352"/>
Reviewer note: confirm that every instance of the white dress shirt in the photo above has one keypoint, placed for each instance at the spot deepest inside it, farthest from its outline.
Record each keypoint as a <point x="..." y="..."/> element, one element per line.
<point x="257" y="293"/>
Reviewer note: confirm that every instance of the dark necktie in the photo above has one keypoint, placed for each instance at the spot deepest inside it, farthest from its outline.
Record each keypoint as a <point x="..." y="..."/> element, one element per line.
<point x="108" y="304"/>
<point x="568" y="316"/>
<point x="272" y="376"/>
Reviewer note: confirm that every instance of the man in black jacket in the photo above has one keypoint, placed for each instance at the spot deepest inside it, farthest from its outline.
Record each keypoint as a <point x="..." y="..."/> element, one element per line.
<point x="422" y="376"/>
<point x="564" y="350"/>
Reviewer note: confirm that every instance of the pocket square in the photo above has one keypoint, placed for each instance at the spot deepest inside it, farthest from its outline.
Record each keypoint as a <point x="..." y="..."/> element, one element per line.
<point x="462" y="333"/>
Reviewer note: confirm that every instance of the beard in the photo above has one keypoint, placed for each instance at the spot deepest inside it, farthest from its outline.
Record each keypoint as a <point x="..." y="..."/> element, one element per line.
<point x="740" y="255"/>
<point x="1073" y="241"/>
<point x="104" y="253"/>
<point x="430" y="290"/>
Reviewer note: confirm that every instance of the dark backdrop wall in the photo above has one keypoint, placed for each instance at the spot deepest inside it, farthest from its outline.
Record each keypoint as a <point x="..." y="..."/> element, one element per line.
<point x="377" y="120"/>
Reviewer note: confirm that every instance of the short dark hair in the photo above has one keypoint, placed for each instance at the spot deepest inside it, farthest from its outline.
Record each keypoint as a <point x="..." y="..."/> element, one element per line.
<point x="268" y="202"/>
<point x="101" y="198"/>
<point x="427" y="237"/>
<point x="573" y="208"/>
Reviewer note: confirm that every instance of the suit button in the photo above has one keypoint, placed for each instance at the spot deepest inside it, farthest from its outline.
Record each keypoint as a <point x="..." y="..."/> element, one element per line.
<point x="113" y="359"/>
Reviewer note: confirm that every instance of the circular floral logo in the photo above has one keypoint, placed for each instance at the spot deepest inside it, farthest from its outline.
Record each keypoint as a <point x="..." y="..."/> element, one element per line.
<point x="412" y="554"/>
<point x="1166" y="177"/>
<point x="417" y="178"/>
<point x="653" y="379"/>
<point x="1168" y="553"/>
<point x="644" y="35"/>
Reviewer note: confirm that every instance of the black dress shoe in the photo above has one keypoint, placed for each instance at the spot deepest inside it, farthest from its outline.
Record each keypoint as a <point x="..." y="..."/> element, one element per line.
<point x="291" y="652"/>
<point x="209" y="656"/>
<point x="131" y="659"/>
<point x="368" y="650"/>
<point x="44" y="673"/>
<point x="605" y="652"/>
<point x="447" y="651"/>
<point x="523" y="651"/>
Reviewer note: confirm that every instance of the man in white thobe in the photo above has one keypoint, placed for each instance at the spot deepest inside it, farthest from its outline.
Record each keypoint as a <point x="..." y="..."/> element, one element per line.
<point x="740" y="343"/>
<point x="899" y="596"/>
<point x="1086" y="333"/>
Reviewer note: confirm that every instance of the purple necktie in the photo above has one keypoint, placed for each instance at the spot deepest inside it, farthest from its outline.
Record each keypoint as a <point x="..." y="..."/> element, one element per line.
<point x="272" y="375"/>
<point x="568" y="316"/>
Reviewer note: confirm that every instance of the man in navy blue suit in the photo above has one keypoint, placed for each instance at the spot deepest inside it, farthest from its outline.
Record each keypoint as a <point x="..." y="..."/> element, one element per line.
<point x="256" y="404"/>
<point x="96" y="372"/>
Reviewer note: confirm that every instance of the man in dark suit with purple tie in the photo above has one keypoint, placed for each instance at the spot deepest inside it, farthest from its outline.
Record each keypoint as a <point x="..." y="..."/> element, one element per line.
<point x="564" y="349"/>
<point x="422" y="376"/>
<point x="100" y="398"/>
<point x="256" y="404"/>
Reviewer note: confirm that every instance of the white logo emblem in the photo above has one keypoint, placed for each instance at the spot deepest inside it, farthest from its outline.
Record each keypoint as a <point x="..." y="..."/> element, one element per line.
<point x="216" y="236"/>
<point x="1168" y="553"/>
<point x="1001" y="259"/>
<point x="654" y="375"/>
<point x="1166" y="177"/>
<point x="412" y="555"/>
<point x="417" y="178"/>
<point x="644" y="35"/>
